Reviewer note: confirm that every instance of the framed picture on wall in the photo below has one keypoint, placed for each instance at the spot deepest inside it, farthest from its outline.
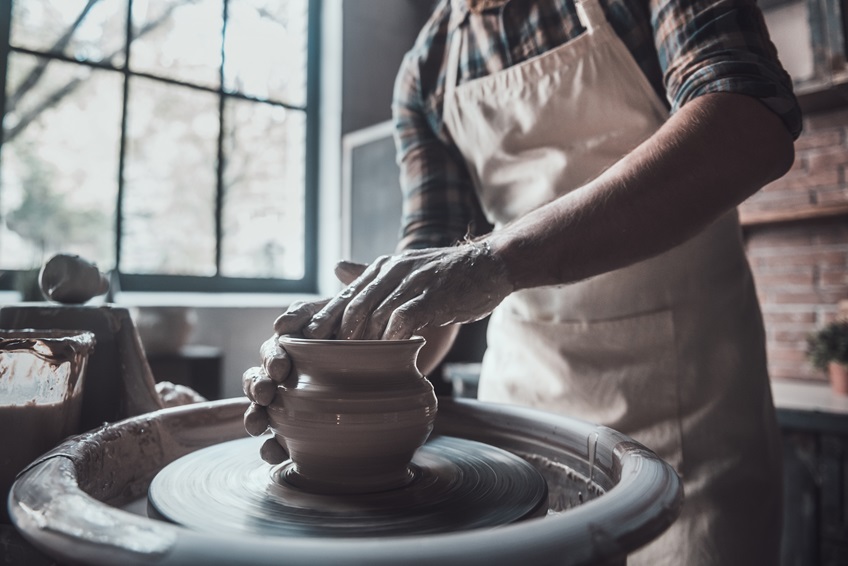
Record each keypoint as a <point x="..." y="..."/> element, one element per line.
<point x="371" y="194"/>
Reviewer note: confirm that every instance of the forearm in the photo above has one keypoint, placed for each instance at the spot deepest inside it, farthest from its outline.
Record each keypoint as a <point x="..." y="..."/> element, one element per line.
<point x="709" y="157"/>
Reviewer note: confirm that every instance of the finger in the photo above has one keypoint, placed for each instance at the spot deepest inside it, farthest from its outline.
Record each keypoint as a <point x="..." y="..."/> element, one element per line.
<point x="356" y="316"/>
<point x="258" y="387"/>
<point x="247" y="381"/>
<point x="275" y="360"/>
<point x="297" y="316"/>
<point x="348" y="271"/>
<point x="406" y="320"/>
<point x="325" y="322"/>
<point x="413" y="287"/>
<point x="255" y="420"/>
<point x="272" y="452"/>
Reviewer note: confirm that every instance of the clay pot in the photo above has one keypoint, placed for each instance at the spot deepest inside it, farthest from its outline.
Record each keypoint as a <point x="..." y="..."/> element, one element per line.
<point x="838" y="374"/>
<point x="353" y="413"/>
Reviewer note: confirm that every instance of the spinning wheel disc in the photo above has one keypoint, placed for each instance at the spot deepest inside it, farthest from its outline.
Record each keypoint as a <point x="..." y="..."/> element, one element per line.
<point x="458" y="485"/>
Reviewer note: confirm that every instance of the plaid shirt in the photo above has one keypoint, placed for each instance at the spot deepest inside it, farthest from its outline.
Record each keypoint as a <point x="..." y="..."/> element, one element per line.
<point x="686" y="48"/>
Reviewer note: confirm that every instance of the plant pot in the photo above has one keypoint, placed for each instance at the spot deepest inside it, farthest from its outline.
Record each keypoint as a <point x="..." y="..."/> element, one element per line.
<point x="838" y="374"/>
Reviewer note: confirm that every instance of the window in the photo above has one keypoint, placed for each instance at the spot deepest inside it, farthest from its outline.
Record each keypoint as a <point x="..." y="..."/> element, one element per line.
<point x="172" y="141"/>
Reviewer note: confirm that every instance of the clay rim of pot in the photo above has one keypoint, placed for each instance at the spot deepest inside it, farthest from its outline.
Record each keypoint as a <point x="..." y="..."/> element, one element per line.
<point x="287" y="338"/>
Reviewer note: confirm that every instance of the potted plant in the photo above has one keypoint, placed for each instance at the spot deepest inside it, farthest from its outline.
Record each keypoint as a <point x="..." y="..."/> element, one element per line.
<point x="827" y="350"/>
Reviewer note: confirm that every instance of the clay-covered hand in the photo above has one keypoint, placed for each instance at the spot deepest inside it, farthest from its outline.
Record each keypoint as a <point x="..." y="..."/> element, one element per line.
<point x="260" y="383"/>
<point x="399" y="295"/>
<point x="261" y="390"/>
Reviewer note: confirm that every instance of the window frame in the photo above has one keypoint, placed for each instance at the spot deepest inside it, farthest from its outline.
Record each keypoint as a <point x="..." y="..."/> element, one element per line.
<point x="187" y="283"/>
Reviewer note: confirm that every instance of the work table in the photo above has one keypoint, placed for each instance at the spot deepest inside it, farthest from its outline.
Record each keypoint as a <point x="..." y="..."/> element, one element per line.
<point x="814" y="424"/>
<point x="812" y="406"/>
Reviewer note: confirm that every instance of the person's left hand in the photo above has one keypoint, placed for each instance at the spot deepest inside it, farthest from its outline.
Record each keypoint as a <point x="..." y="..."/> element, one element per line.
<point x="401" y="294"/>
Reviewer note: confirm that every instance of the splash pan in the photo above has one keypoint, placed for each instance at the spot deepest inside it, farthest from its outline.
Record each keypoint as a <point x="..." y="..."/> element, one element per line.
<point x="607" y="496"/>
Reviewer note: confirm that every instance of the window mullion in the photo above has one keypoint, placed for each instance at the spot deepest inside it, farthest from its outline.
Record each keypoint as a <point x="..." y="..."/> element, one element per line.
<point x="119" y="204"/>
<point x="219" y="189"/>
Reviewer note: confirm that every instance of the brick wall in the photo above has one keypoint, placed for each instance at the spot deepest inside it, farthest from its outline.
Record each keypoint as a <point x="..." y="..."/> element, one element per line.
<point x="796" y="233"/>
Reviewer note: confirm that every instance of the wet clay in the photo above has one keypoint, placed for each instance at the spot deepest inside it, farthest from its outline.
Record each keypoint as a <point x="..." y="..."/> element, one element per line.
<point x="69" y="279"/>
<point x="352" y="414"/>
<point x="457" y="485"/>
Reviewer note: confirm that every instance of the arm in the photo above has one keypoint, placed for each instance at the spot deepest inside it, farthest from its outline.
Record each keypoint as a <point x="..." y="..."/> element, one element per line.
<point x="719" y="147"/>
<point x="731" y="132"/>
<point x="710" y="156"/>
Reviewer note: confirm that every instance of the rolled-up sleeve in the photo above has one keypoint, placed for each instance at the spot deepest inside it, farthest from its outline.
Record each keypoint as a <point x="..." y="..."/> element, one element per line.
<point x="439" y="204"/>
<point x="708" y="46"/>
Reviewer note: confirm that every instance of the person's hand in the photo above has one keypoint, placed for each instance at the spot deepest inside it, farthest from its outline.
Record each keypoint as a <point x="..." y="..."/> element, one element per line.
<point x="399" y="295"/>
<point x="260" y="383"/>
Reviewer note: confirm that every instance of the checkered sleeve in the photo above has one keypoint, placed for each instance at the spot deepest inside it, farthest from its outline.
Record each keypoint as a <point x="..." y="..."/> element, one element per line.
<point x="708" y="46"/>
<point x="439" y="203"/>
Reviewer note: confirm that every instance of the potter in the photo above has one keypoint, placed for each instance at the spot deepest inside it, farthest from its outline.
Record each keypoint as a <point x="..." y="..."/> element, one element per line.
<point x="351" y="414"/>
<point x="596" y="151"/>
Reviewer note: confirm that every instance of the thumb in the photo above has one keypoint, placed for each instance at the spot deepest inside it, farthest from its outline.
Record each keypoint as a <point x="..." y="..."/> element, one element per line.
<point x="347" y="271"/>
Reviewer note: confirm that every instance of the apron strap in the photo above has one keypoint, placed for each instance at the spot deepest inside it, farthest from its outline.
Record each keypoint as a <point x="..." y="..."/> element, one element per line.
<point x="452" y="75"/>
<point x="591" y="14"/>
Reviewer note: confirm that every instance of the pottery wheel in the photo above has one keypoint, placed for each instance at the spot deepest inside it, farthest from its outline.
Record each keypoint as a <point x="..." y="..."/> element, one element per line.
<point x="458" y="485"/>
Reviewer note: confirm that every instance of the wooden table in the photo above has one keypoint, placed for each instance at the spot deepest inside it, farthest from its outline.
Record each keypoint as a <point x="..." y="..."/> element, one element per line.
<point x="814" y="422"/>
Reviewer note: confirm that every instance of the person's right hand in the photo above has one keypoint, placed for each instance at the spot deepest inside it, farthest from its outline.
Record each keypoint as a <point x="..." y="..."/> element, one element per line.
<point x="260" y="383"/>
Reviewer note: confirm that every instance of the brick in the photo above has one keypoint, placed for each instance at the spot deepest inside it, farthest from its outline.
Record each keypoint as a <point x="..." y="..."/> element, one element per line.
<point x="786" y="279"/>
<point x="784" y="355"/>
<point x="782" y="235"/>
<point x="785" y="183"/>
<point x="794" y="337"/>
<point x="825" y="120"/>
<point x="828" y="316"/>
<point x="834" y="278"/>
<point x="807" y="374"/>
<point x="831" y="195"/>
<point x="795" y="257"/>
<point x="777" y="200"/>
<point x="789" y="297"/>
<point x="786" y="372"/>
<point x="831" y="232"/>
<point x="775" y="318"/>
<point x="818" y="138"/>
<point x="828" y="158"/>
<point x="814" y="179"/>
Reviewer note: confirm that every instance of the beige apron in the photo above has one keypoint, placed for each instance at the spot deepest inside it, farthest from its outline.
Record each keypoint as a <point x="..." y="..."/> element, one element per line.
<point x="669" y="351"/>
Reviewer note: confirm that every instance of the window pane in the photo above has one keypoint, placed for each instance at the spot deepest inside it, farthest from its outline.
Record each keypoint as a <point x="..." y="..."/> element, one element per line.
<point x="84" y="30"/>
<point x="178" y="40"/>
<point x="169" y="198"/>
<point x="266" y="49"/>
<point x="60" y="163"/>
<point x="263" y="219"/>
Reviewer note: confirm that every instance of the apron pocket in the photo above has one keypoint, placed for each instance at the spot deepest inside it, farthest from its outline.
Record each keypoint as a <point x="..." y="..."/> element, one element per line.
<point x="621" y="373"/>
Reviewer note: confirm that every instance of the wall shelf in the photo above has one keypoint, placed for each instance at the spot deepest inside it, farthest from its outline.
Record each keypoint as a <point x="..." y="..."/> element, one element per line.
<point x="797" y="214"/>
